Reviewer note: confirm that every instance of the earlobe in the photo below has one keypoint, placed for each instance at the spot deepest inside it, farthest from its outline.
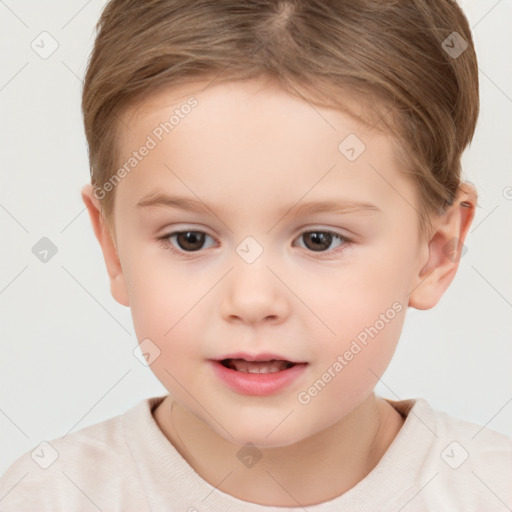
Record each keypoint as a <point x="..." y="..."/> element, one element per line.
<point x="110" y="253"/>
<point x="445" y="249"/>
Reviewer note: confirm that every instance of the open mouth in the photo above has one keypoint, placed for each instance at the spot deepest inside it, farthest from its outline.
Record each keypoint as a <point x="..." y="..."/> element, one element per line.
<point x="257" y="375"/>
<point x="272" y="366"/>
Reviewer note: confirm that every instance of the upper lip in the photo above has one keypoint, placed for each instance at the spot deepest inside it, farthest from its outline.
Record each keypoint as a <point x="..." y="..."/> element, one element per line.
<point x="264" y="356"/>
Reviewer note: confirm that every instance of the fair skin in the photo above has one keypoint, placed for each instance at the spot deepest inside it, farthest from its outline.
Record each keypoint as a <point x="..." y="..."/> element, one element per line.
<point x="247" y="150"/>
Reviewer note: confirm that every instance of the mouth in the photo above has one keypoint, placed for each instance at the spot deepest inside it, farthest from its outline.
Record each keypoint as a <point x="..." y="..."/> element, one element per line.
<point x="258" y="375"/>
<point x="244" y="366"/>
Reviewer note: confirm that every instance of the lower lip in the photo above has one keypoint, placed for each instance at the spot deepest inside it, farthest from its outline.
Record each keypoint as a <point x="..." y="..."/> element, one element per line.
<point x="258" y="384"/>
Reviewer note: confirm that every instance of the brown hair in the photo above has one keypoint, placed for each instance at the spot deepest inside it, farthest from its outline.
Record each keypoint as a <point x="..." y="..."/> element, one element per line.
<point x="399" y="58"/>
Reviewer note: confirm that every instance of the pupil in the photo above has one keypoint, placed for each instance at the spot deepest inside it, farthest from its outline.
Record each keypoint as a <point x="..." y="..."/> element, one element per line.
<point x="324" y="239"/>
<point x="188" y="240"/>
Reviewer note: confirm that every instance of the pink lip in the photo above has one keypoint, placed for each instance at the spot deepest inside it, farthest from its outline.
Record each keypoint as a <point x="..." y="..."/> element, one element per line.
<point x="257" y="384"/>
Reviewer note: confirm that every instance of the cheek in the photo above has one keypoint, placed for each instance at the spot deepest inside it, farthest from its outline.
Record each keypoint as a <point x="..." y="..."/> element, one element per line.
<point x="362" y="313"/>
<point x="168" y="308"/>
<point x="354" y="296"/>
<point x="161" y="292"/>
<point x="349" y="368"/>
<point x="171" y="321"/>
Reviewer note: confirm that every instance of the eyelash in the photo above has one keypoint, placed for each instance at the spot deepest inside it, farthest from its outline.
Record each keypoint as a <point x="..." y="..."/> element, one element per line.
<point x="164" y="240"/>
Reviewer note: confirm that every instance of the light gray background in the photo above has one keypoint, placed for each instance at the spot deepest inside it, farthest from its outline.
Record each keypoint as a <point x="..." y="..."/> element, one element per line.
<point x="66" y="346"/>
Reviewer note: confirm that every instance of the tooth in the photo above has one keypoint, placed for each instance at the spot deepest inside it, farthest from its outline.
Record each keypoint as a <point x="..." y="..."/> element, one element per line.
<point x="258" y="366"/>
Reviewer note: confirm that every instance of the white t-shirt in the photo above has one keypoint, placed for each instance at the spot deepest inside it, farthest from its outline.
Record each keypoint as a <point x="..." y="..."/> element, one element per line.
<point x="436" y="463"/>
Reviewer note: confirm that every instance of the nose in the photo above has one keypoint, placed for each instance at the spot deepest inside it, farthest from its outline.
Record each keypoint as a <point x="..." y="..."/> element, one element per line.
<point x="252" y="294"/>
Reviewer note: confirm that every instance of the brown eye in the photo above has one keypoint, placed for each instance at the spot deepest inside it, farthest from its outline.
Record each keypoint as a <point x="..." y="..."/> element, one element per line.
<point x="317" y="240"/>
<point x="190" y="240"/>
<point x="321" y="241"/>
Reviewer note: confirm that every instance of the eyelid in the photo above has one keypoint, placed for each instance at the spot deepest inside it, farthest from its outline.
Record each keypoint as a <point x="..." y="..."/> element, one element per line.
<point x="345" y="232"/>
<point x="307" y="228"/>
<point x="181" y="228"/>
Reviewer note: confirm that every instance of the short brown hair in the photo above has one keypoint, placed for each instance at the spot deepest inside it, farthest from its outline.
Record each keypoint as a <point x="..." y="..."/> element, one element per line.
<point x="392" y="55"/>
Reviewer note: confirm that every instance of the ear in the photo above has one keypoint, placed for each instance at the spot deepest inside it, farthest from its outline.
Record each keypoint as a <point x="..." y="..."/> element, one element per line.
<point x="445" y="249"/>
<point x="110" y="255"/>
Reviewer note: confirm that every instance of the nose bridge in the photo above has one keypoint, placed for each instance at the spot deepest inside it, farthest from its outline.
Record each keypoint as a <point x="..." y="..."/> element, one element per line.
<point x="252" y="292"/>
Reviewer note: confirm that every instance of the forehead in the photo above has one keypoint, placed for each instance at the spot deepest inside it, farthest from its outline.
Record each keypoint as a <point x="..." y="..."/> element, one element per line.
<point x="247" y="96"/>
<point x="253" y="137"/>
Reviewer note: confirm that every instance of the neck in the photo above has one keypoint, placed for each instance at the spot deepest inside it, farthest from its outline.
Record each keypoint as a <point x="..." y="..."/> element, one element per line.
<point x="293" y="475"/>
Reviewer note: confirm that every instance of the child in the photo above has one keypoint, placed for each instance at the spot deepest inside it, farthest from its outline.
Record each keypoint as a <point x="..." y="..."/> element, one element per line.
<point x="274" y="183"/>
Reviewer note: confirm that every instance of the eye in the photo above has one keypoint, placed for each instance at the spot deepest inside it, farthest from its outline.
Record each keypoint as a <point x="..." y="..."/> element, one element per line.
<point x="190" y="241"/>
<point x="187" y="241"/>
<point x="320" y="241"/>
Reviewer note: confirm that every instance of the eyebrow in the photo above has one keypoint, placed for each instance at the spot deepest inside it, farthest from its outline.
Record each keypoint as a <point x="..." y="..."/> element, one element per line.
<point x="194" y="205"/>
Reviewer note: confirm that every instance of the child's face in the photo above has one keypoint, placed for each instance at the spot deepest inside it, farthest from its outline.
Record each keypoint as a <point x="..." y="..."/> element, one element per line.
<point x="252" y="156"/>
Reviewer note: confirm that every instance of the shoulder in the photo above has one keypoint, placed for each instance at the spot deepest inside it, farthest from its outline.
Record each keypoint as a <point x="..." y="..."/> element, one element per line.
<point x="85" y="470"/>
<point x="464" y="462"/>
<point x="469" y="442"/>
